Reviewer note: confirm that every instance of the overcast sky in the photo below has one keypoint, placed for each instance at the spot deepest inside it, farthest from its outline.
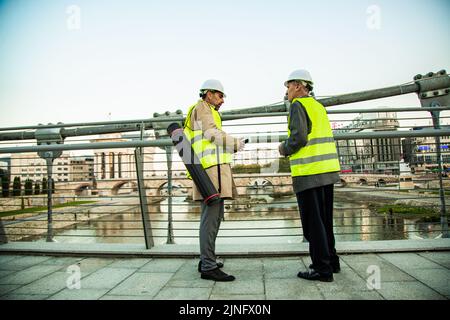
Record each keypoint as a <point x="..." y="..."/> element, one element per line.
<point x="84" y="61"/>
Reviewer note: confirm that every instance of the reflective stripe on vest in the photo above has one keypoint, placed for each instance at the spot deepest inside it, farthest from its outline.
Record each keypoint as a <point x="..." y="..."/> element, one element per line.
<point x="319" y="155"/>
<point x="205" y="150"/>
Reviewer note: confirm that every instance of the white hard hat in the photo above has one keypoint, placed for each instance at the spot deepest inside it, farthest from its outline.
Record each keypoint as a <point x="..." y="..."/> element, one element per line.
<point x="212" y="84"/>
<point x="301" y="75"/>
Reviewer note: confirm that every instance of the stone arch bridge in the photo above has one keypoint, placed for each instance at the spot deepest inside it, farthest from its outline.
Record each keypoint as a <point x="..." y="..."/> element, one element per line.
<point x="155" y="186"/>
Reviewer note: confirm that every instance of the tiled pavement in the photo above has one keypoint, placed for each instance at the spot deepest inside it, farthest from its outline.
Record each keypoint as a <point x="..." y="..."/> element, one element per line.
<point x="374" y="276"/>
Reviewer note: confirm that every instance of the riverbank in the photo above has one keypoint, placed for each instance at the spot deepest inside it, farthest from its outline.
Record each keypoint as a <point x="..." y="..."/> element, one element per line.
<point x="388" y="196"/>
<point x="409" y="204"/>
<point x="23" y="212"/>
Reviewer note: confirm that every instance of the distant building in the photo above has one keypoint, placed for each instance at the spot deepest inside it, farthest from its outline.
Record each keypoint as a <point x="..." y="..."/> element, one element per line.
<point x="421" y="152"/>
<point x="82" y="169"/>
<point x="380" y="155"/>
<point x="119" y="163"/>
<point x="31" y="166"/>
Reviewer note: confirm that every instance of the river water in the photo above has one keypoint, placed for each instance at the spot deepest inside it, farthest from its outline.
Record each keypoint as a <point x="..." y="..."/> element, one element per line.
<point x="259" y="220"/>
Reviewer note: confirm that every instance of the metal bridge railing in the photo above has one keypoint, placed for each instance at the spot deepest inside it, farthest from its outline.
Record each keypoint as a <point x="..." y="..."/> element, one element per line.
<point x="122" y="182"/>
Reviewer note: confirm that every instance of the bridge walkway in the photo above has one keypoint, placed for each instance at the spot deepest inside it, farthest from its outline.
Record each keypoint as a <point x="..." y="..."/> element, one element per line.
<point x="388" y="270"/>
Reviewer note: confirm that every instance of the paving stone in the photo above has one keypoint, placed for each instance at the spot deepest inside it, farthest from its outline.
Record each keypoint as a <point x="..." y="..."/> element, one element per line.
<point x="345" y="281"/>
<point x="163" y="265"/>
<point x="238" y="297"/>
<point x="356" y="295"/>
<point x="24" y="297"/>
<point x="387" y="271"/>
<point x="5" y="288"/>
<point x="238" y="287"/>
<point x="29" y="275"/>
<point x="114" y="297"/>
<point x="246" y="275"/>
<point x="286" y="269"/>
<point x="142" y="284"/>
<point x="437" y="279"/>
<point x="90" y="265"/>
<point x="442" y="258"/>
<point x="291" y="289"/>
<point x="170" y="293"/>
<point x="187" y="275"/>
<point x="409" y="260"/>
<point x="408" y="291"/>
<point x="22" y="262"/>
<point x="47" y="285"/>
<point x="6" y="258"/>
<point x="4" y="273"/>
<point x="195" y="283"/>
<point x="105" y="278"/>
<point x="63" y="261"/>
<point x="250" y="264"/>
<point x="349" y="259"/>
<point x="134" y="263"/>
<point x="79" y="294"/>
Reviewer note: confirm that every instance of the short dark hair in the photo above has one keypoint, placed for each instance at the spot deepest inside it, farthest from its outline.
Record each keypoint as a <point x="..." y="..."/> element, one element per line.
<point x="203" y="92"/>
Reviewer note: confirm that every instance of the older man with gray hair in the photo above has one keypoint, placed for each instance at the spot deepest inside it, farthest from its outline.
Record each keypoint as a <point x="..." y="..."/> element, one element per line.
<point x="314" y="168"/>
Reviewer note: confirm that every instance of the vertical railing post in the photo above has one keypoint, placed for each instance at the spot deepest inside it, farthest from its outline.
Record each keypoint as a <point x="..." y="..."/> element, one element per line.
<point x="170" y="238"/>
<point x="444" y="223"/>
<point x="49" y="199"/>
<point x="139" y="161"/>
<point x="160" y="129"/>
<point x="49" y="136"/>
<point x="434" y="98"/>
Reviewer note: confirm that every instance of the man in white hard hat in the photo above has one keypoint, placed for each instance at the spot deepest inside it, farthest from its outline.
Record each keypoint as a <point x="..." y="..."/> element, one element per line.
<point x="214" y="148"/>
<point x="314" y="168"/>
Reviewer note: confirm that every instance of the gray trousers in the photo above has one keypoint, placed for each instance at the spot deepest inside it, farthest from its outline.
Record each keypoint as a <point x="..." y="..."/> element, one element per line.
<point x="209" y="227"/>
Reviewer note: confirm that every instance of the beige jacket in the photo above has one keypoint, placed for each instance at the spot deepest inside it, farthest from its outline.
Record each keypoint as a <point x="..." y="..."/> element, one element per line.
<point x="202" y="119"/>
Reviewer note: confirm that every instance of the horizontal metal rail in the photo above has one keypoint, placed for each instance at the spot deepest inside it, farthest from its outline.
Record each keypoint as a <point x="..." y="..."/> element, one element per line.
<point x="253" y="139"/>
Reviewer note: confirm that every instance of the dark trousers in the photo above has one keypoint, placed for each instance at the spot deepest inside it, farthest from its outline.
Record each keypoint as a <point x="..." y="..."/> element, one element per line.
<point x="316" y="213"/>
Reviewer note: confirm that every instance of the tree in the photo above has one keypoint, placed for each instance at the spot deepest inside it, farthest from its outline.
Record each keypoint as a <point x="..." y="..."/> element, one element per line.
<point x="5" y="186"/>
<point x="53" y="185"/>
<point x="37" y="188"/>
<point x="28" y="187"/>
<point x="17" y="187"/>
<point x="44" y="186"/>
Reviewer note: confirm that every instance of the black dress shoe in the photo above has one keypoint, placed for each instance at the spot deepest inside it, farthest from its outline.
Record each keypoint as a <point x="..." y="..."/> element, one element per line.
<point x="217" y="275"/>
<point x="199" y="268"/>
<point x="336" y="268"/>
<point x="314" y="275"/>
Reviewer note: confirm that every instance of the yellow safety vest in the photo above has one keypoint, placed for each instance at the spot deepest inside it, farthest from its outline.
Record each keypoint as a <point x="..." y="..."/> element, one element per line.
<point x="208" y="153"/>
<point x="319" y="155"/>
